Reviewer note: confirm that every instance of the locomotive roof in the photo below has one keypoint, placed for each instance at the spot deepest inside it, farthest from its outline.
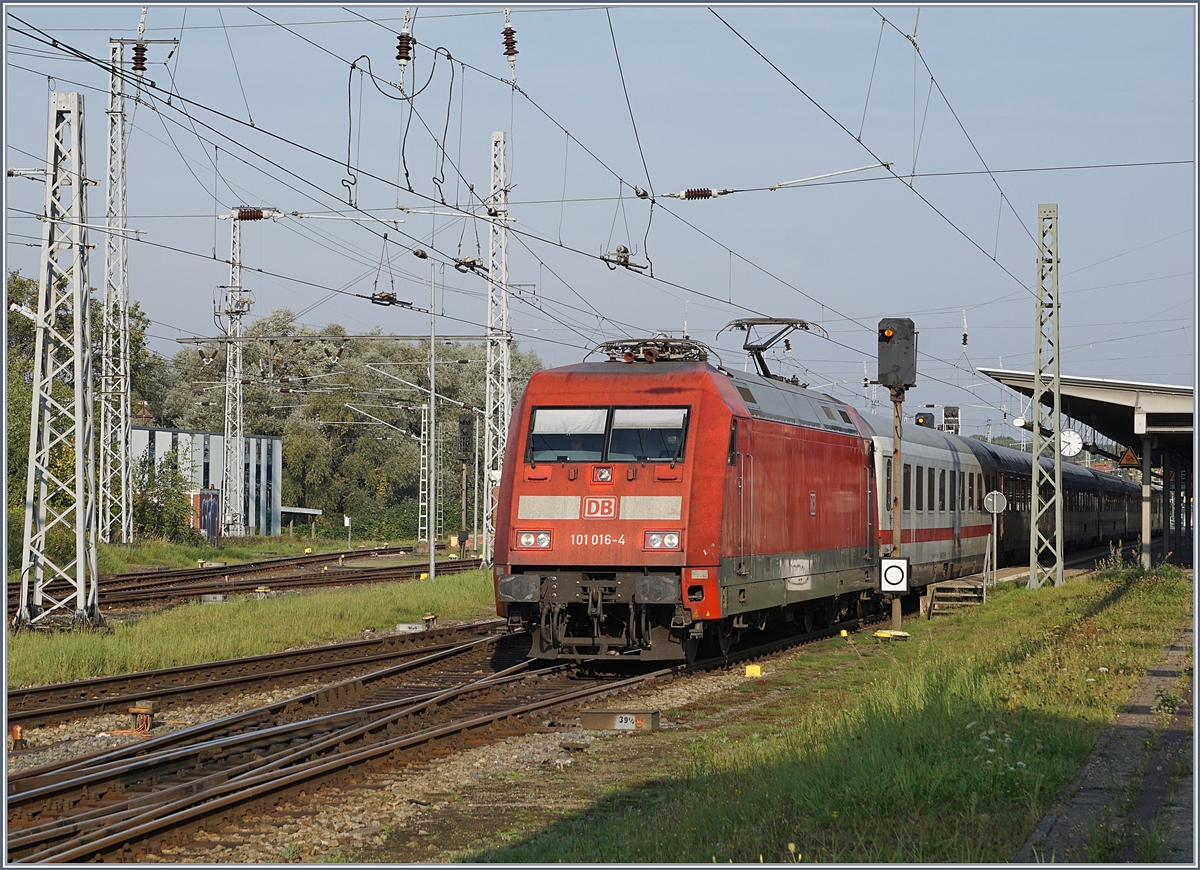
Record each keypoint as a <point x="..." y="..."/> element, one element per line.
<point x="785" y="402"/>
<point x="765" y="398"/>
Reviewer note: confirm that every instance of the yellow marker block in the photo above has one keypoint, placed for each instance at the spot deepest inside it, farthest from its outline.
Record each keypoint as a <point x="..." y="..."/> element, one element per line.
<point x="845" y="633"/>
<point x="199" y="563"/>
<point x="307" y="550"/>
<point x="424" y="576"/>
<point x="753" y="670"/>
<point x="324" y="567"/>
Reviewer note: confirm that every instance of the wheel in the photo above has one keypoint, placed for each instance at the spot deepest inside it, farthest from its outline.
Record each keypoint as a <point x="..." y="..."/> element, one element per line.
<point x="809" y="619"/>
<point x="724" y="636"/>
<point x="691" y="649"/>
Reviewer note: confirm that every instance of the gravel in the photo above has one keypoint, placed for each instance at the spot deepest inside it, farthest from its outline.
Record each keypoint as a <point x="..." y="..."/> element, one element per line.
<point x="359" y="814"/>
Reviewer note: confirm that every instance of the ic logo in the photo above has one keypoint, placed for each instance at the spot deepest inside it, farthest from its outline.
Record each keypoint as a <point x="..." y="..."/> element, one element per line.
<point x="599" y="508"/>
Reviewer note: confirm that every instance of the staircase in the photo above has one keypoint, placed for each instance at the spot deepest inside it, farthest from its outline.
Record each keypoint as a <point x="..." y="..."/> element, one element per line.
<point x="951" y="596"/>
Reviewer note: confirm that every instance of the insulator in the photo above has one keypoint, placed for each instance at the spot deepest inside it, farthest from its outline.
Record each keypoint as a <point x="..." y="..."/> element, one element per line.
<point x="249" y="214"/>
<point x="139" y="58"/>
<point x="404" y="47"/>
<point x="698" y="193"/>
<point x="964" y="339"/>
<point x="510" y="42"/>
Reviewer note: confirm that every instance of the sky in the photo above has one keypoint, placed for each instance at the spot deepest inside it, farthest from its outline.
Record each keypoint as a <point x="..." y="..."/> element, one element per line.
<point x="1003" y="108"/>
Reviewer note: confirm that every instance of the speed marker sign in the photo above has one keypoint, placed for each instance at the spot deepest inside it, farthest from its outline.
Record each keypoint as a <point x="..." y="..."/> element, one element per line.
<point x="894" y="575"/>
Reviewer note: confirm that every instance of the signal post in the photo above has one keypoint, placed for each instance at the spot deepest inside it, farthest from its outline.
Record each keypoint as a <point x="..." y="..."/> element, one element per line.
<point x="897" y="372"/>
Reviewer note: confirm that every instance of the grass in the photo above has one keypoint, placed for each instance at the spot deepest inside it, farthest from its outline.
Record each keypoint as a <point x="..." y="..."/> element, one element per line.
<point x="241" y="626"/>
<point x="160" y="553"/>
<point x="947" y="748"/>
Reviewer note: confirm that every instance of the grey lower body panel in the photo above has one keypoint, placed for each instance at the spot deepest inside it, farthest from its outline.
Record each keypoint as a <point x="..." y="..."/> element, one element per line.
<point x="766" y="581"/>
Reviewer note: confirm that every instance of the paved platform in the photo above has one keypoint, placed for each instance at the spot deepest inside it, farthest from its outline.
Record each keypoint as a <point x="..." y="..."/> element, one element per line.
<point x="1134" y="798"/>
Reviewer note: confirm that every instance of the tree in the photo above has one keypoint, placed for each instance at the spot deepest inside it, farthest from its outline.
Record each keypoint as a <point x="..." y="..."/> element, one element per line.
<point x="161" y="507"/>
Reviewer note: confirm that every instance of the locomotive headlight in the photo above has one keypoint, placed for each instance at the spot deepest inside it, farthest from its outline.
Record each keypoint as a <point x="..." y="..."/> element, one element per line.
<point x="602" y="474"/>
<point x="660" y="541"/>
<point x="533" y="540"/>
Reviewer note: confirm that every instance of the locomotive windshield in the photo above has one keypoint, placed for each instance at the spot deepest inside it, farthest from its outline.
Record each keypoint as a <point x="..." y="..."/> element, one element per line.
<point x="568" y="434"/>
<point x="646" y="433"/>
<point x="607" y="434"/>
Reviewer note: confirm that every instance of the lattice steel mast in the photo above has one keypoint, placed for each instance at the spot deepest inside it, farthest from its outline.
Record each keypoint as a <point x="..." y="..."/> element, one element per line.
<point x="423" y="533"/>
<point x="115" y="501"/>
<point x="116" y="514"/>
<point x="1046" y="489"/>
<point x="237" y="304"/>
<point x="61" y="479"/>
<point x="498" y="404"/>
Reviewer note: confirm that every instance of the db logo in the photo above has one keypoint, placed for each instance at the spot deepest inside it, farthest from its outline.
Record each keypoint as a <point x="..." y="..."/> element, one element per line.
<point x="599" y="508"/>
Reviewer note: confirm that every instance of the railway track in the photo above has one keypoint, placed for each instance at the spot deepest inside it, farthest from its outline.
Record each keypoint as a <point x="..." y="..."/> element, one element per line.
<point x="302" y="572"/>
<point x="189" y="684"/>
<point x="110" y="805"/>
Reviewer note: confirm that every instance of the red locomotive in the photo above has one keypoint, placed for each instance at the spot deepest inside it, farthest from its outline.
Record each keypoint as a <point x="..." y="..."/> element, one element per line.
<point x="655" y="500"/>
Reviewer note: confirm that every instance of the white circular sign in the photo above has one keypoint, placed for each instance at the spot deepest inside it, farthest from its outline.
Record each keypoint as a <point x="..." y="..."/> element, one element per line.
<point x="995" y="502"/>
<point x="1019" y="422"/>
<point x="894" y="575"/>
<point x="1070" y="443"/>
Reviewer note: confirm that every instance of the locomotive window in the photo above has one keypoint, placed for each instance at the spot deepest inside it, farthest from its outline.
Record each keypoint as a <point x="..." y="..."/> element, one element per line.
<point x="828" y="412"/>
<point x="567" y="434"/>
<point x="942" y="489"/>
<point x="733" y="445"/>
<point x="845" y="416"/>
<point x="907" y="486"/>
<point x="920" y="488"/>
<point x="647" y="433"/>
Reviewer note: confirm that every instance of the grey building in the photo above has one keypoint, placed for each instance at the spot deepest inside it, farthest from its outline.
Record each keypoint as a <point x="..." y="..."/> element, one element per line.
<point x="200" y="455"/>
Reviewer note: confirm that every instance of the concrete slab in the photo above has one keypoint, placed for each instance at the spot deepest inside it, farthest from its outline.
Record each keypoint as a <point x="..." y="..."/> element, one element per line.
<point x="1134" y="798"/>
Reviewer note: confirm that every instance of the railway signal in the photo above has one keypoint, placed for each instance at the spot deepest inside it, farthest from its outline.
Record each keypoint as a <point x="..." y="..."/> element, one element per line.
<point x="897" y="372"/>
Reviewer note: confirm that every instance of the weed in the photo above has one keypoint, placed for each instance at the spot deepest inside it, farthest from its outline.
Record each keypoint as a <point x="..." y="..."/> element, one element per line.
<point x="1151" y="842"/>
<point x="1166" y="702"/>
<point x="1103" y="840"/>
<point x="290" y="853"/>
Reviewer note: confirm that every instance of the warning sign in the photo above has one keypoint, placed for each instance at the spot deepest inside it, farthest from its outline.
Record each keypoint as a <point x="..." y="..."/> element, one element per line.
<point x="1129" y="459"/>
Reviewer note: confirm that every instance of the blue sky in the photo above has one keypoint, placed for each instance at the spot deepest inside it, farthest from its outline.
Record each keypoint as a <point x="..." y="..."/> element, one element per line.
<point x="1017" y="88"/>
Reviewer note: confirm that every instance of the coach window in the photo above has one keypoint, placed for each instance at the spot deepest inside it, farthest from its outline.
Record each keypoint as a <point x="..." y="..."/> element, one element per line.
<point x="920" y="488"/>
<point x="932" y="482"/>
<point x="942" y="489"/>
<point x="971" y="490"/>
<point x="567" y="434"/>
<point x="640" y="434"/>
<point x="889" y="484"/>
<point x="907" y="486"/>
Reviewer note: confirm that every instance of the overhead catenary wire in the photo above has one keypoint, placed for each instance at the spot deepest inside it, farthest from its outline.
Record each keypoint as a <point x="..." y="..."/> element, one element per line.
<point x="842" y="126"/>
<point x="566" y="247"/>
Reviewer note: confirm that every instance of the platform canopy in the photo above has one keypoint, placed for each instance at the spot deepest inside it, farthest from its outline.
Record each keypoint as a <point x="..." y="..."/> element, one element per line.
<point x="1125" y="411"/>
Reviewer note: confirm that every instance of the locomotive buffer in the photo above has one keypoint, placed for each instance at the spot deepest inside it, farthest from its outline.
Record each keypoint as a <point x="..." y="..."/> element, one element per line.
<point x="897" y="372"/>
